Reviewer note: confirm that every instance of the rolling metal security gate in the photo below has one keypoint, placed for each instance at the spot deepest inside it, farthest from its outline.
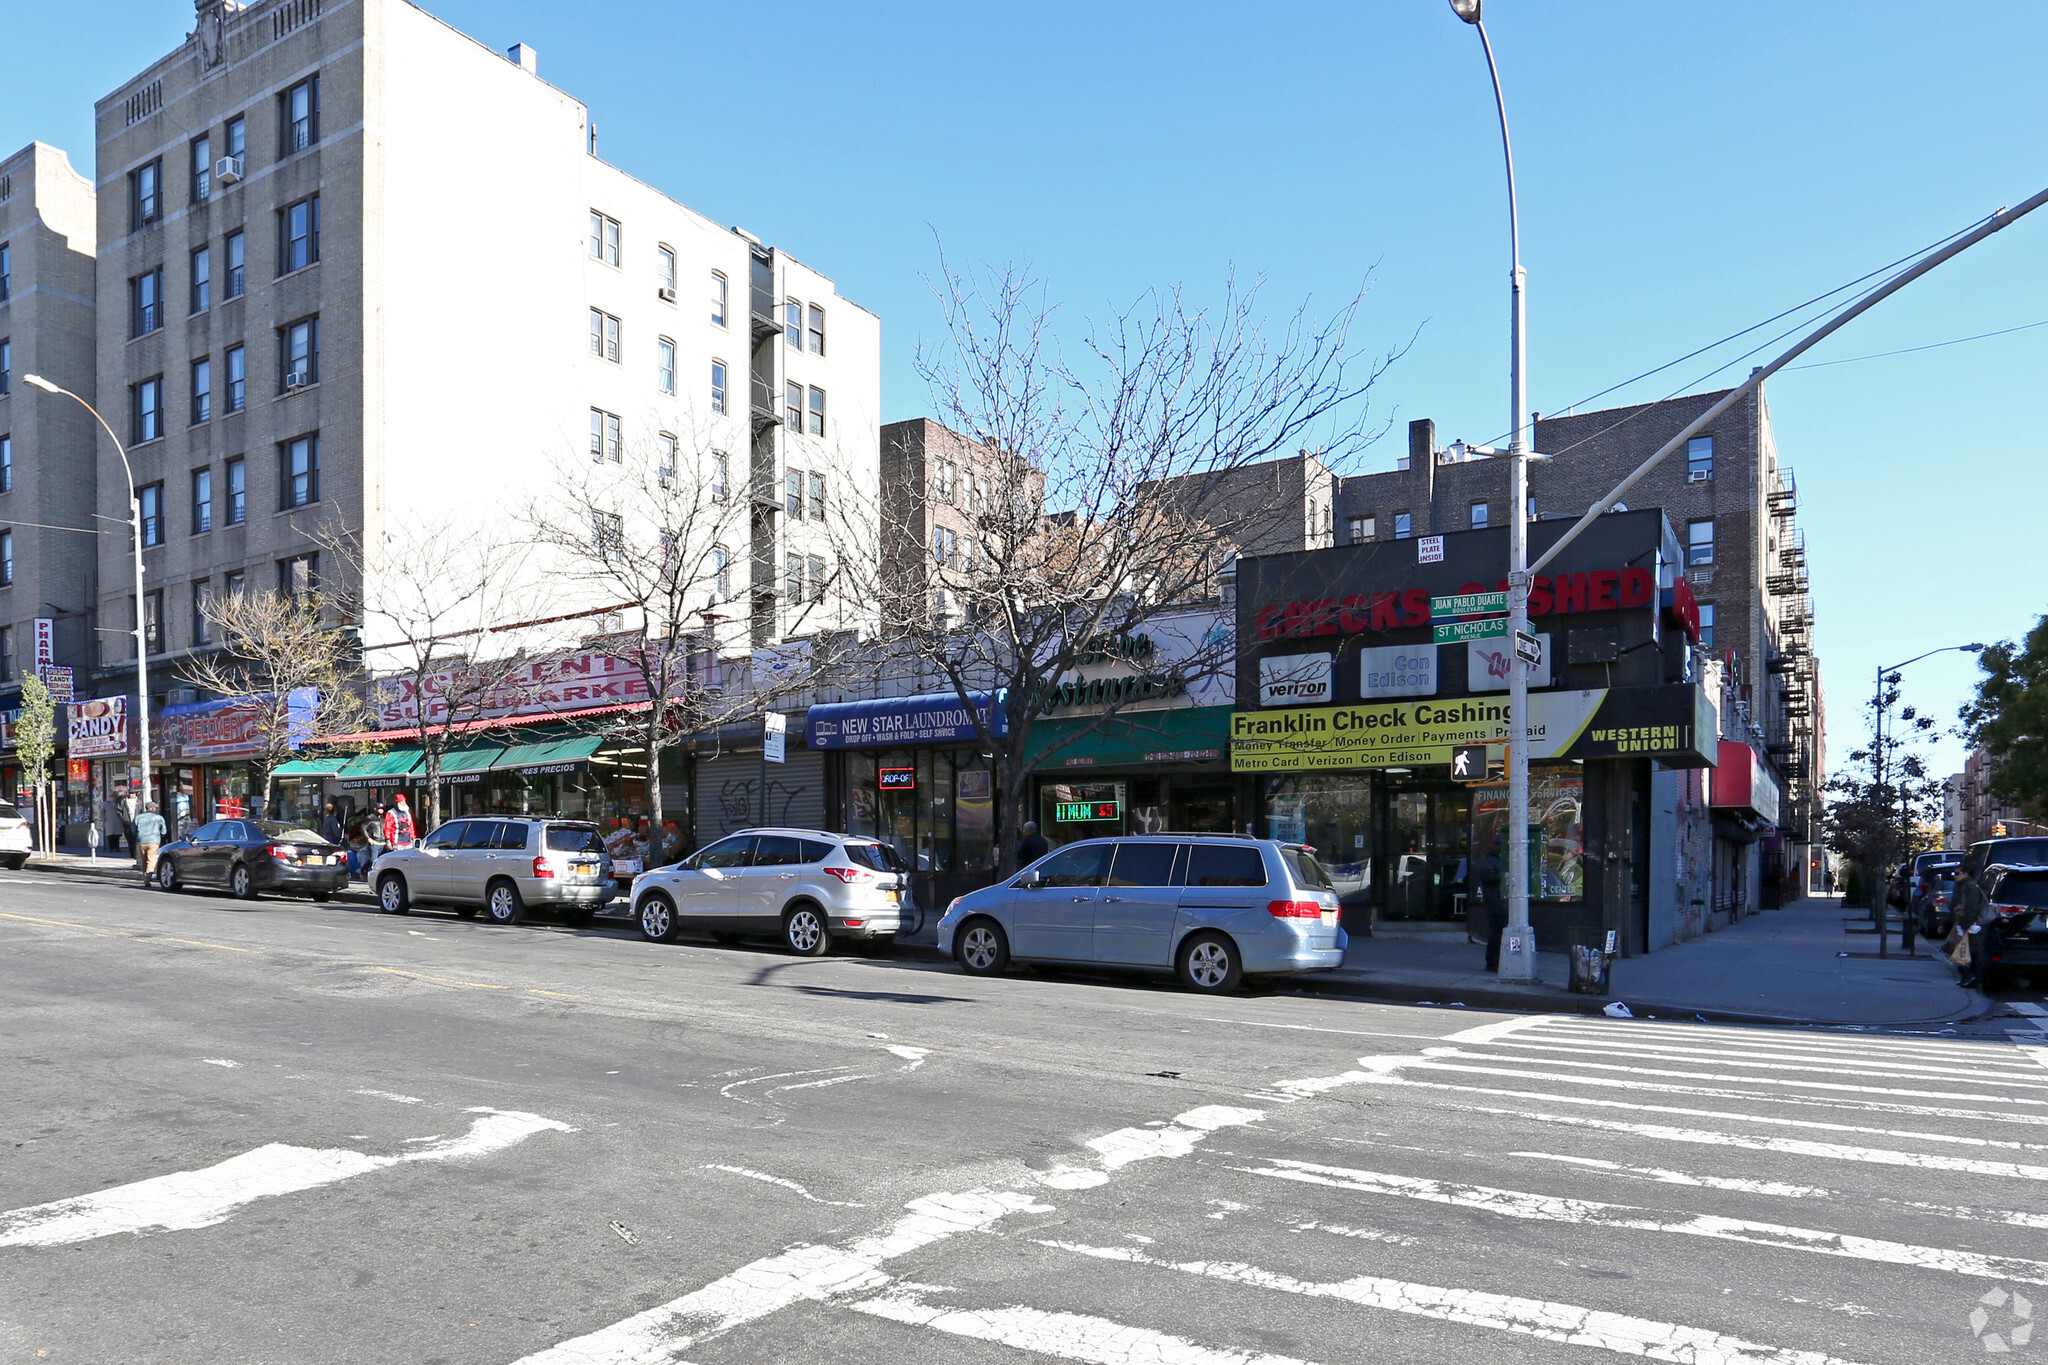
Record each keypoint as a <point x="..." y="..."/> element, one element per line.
<point x="728" y="792"/>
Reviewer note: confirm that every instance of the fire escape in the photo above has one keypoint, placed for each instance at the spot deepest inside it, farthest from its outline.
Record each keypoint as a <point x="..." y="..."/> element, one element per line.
<point x="1792" y="747"/>
<point x="763" y="475"/>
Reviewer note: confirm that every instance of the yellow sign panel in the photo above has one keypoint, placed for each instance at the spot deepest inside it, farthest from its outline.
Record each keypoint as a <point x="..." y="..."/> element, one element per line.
<point x="1398" y="734"/>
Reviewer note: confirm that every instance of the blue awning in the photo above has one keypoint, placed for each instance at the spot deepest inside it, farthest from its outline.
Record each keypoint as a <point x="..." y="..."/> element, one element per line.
<point x="935" y="718"/>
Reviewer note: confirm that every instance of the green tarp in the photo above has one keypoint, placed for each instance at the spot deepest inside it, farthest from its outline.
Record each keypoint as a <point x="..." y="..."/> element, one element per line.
<point x="1184" y="734"/>
<point x="312" y="767"/>
<point x="553" y="755"/>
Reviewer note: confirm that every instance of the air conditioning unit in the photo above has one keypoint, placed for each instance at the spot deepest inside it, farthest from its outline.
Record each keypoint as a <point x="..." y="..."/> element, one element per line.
<point x="1702" y="575"/>
<point x="293" y="381"/>
<point x="668" y="294"/>
<point x="1700" y="476"/>
<point x="228" y="170"/>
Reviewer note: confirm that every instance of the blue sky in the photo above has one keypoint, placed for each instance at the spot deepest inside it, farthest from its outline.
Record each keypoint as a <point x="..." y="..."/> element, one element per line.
<point x="1686" y="170"/>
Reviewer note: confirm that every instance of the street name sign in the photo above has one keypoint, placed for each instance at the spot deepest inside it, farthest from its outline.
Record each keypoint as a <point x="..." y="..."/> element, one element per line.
<point x="1468" y="604"/>
<point x="1456" y="632"/>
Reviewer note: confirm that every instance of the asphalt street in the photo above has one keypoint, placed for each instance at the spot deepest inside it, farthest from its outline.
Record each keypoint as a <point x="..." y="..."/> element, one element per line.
<point x="288" y="1133"/>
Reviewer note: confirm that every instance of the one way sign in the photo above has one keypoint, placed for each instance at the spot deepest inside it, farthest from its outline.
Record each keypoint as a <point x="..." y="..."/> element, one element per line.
<point x="1468" y="763"/>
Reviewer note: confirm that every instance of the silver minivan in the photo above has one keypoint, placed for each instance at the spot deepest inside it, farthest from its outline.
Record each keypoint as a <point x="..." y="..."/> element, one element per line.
<point x="1211" y="909"/>
<point x="805" y="886"/>
<point x="500" y="864"/>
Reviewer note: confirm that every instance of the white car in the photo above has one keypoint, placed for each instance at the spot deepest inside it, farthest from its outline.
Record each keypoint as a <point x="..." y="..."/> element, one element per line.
<point x="805" y="886"/>
<point x="14" y="838"/>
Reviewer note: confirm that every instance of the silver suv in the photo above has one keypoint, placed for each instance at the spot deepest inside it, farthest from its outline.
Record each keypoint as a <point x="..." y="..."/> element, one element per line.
<point x="1212" y="909"/>
<point x="806" y="886"/>
<point x="501" y="865"/>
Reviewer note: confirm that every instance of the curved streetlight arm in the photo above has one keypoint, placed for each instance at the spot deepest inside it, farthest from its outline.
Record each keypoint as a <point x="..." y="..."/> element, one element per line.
<point x="1968" y="649"/>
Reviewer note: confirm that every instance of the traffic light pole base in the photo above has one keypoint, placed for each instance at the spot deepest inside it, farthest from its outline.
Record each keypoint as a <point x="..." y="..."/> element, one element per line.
<point x="1518" y="953"/>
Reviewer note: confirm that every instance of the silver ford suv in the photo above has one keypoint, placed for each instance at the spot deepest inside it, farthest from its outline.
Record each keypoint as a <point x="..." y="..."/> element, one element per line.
<point x="805" y="886"/>
<point x="501" y="864"/>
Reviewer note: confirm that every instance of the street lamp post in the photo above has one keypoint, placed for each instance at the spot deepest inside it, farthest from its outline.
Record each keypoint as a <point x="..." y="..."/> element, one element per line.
<point x="1518" y="944"/>
<point x="141" y="617"/>
<point x="1879" y="765"/>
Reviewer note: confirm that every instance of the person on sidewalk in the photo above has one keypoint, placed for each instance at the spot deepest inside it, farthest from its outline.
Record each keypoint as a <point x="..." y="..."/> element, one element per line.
<point x="149" y="836"/>
<point x="398" y="828"/>
<point x="128" y="808"/>
<point x="331" y="828"/>
<point x="1492" y="909"/>
<point x="374" y="846"/>
<point x="1032" y="846"/>
<point x="1973" y="919"/>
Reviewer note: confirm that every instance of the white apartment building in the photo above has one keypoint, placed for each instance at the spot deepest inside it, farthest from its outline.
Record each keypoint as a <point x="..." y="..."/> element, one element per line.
<point x="368" y="274"/>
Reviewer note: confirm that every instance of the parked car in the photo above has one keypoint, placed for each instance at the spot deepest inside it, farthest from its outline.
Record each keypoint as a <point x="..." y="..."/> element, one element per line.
<point x="806" y="886"/>
<point x="15" y="844"/>
<point x="501" y="864"/>
<point x="2019" y="897"/>
<point x="2012" y="851"/>
<point x="1211" y="909"/>
<point x="248" y="857"/>
<point x="1936" y="916"/>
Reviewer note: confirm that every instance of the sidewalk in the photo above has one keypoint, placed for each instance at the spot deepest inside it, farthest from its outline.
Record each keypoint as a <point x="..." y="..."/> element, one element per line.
<point x="1796" y="965"/>
<point x="120" y="868"/>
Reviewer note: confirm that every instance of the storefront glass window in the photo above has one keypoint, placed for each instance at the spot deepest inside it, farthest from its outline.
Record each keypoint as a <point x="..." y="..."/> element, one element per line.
<point x="935" y="807"/>
<point x="1556" y="800"/>
<point x="227" y="792"/>
<point x="1333" y="814"/>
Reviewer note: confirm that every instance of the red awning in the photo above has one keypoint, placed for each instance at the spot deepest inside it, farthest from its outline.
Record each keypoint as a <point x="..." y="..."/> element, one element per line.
<point x="468" y="727"/>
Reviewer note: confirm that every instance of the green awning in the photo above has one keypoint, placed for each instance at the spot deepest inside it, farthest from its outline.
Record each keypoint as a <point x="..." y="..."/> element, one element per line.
<point x="388" y="769"/>
<point x="1131" y="739"/>
<point x="549" y="756"/>
<point x="479" y="758"/>
<point x="312" y="767"/>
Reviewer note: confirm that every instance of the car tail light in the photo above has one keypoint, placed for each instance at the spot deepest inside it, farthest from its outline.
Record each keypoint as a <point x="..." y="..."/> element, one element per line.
<point x="2012" y="909"/>
<point x="543" y="869"/>
<point x="853" y="876"/>
<point x="1294" y="910"/>
<point x="855" y="923"/>
<point x="284" y="853"/>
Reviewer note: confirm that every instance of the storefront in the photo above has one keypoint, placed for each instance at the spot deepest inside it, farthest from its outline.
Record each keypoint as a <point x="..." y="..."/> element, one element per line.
<point x="1361" y="715"/>
<point x="1133" y="772"/>
<point x="209" y="755"/>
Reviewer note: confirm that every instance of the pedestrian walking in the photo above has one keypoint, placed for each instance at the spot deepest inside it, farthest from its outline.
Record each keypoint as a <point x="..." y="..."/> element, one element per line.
<point x="1032" y="846"/>
<point x="331" y="828"/>
<point x="149" y="834"/>
<point x="398" y="827"/>
<point x="373" y="838"/>
<point x="109" y="825"/>
<point x="1973" y="920"/>
<point x="130" y="806"/>
<point x="1492" y="911"/>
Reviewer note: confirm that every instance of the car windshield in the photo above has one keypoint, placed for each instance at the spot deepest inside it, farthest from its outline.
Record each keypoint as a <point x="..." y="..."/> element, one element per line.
<point x="880" y="857"/>
<point x="289" y="834"/>
<point x="574" y="839"/>
<point x="2018" y="851"/>
<point x="1307" y="870"/>
<point x="2022" y="888"/>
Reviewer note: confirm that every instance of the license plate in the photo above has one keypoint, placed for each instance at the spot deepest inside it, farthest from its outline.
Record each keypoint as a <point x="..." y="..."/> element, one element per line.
<point x="1329" y="917"/>
<point x="582" y="869"/>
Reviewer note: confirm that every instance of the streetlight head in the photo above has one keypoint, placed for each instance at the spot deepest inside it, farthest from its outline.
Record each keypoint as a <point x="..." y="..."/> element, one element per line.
<point x="1973" y="649"/>
<point x="1468" y="10"/>
<point x="36" y="381"/>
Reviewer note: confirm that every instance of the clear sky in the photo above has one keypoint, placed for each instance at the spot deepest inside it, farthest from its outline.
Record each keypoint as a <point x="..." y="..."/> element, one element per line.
<point x="1686" y="171"/>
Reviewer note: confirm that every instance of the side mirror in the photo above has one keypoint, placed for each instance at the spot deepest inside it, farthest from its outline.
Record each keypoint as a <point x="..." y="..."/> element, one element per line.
<point x="1029" y="881"/>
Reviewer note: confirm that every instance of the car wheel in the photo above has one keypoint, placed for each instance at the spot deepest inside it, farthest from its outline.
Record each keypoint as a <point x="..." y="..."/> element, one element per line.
<point x="502" y="903"/>
<point x="322" y="897"/>
<point x="804" y="931"/>
<point x="657" y="918"/>
<point x="242" y="883"/>
<point x="983" y="949"/>
<point x="17" y="862"/>
<point x="166" y="875"/>
<point x="1209" y="963"/>
<point x="392" y="897"/>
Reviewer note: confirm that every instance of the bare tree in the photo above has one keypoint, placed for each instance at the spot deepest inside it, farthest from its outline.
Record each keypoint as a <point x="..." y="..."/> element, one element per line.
<point x="294" y="673"/>
<point x="1105" y="491"/>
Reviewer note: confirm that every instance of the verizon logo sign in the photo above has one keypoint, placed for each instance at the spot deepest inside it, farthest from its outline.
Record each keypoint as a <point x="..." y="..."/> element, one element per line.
<point x="1297" y="680"/>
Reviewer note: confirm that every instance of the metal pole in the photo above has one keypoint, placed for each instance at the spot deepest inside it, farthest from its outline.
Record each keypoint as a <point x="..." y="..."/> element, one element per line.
<point x="1880" y="875"/>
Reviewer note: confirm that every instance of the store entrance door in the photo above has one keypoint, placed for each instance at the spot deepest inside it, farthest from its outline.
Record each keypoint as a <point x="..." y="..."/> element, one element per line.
<point x="1428" y="868"/>
<point x="1202" y="807"/>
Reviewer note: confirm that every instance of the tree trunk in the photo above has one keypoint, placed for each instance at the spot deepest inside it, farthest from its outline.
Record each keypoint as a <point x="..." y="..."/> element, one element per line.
<point x="433" y="802"/>
<point x="1014" y="783"/>
<point x="656" y="839"/>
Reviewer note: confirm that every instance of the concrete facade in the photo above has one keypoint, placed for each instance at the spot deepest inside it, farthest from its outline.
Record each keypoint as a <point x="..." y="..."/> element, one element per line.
<point x="47" y="442"/>
<point x="490" y="298"/>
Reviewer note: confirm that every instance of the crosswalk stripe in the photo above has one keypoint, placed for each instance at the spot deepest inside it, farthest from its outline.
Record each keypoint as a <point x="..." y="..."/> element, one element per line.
<point x="1581" y="1061"/>
<point x="1625" y="1217"/>
<point x="1774" y="1061"/>
<point x="1861" y="1044"/>
<point x="1570" y="1324"/>
<point x="185" y="1200"/>
<point x="1065" y="1336"/>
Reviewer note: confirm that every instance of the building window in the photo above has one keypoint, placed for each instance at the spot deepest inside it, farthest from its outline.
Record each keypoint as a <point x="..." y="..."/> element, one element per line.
<point x="1479" y="515"/>
<point x="817" y="412"/>
<point x="1699" y="458"/>
<point x="665" y="365"/>
<point x="817" y="333"/>
<point x="237" y="140"/>
<point x="237" y="471"/>
<point x="145" y="195"/>
<point x="153" y="621"/>
<point x="202" y="391"/>
<point x="298" y="116"/>
<point x="1706" y="625"/>
<point x="146" y="302"/>
<point x="6" y="271"/>
<point x="721" y="293"/>
<point x="608" y="534"/>
<point x="238" y="379"/>
<point x="604" y="335"/>
<point x="1699" y="541"/>
<point x="816" y="566"/>
<point x="943" y="481"/>
<point x="721" y="475"/>
<point x="1404" y="525"/>
<point x="976" y="502"/>
<point x="666" y="447"/>
<point x="298" y="354"/>
<point x="238" y="265"/>
<point x="665" y="271"/>
<point x="298" y="235"/>
<point x="233" y="582"/>
<point x="793" y="495"/>
<point x="202" y="501"/>
<point x="202" y="628"/>
<point x="793" y="324"/>
<point x="202" y="168"/>
<point x="6" y="654"/>
<point x="721" y="574"/>
<point x="1362" y="529"/>
<point x="202" y="279"/>
<point x="298" y="577"/>
<point x="817" y="497"/>
<point x="1532" y="507"/>
<point x="298" y="472"/>
<point x="6" y="464"/>
<point x="151" y="498"/>
<point x="147" y="411"/>
<point x="718" y="386"/>
<point x="604" y="238"/>
<point x="793" y="579"/>
<point x="6" y="366"/>
<point x="606" y="436"/>
<point x="6" y="558"/>
<point x="945" y="547"/>
<point x="793" y="406"/>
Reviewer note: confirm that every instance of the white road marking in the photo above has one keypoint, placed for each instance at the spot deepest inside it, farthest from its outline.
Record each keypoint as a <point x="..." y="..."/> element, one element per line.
<point x="1311" y="1028"/>
<point x="2029" y="1007"/>
<point x="913" y="1055"/>
<point x="1486" y="1033"/>
<point x="813" y="1085"/>
<point x="1769" y="1061"/>
<point x="767" y="1179"/>
<point x="218" y="1061"/>
<point x="197" y="1199"/>
<point x="1588" y="1064"/>
<point x="1363" y="1234"/>
<point x="1880" y="1046"/>
<point x="1586" y="1212"/>
<point x="388" y="1095"/>
<point x="1065" y="1336"/>
<point x="1562" y="1322"/>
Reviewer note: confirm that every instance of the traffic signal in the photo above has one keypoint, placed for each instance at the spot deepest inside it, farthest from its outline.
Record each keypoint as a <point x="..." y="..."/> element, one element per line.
<point x="1468" y="763"/>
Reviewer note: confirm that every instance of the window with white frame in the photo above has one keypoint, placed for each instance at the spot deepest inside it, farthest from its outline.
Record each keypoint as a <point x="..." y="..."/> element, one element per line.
<point x="666" y="448"/>
<point x="665" y="365"/>
<point x="608" y="533"/>
<point x="1363" y="529"/>
<point x="793" y="495"/>
<point x="665" y="271"/>
<point x="793" y="407"/>
<point x="793" y="578"/>
<point x="793" y="323"/>
<point x="817" y="330"/>
<point x="817" y="497"/>
<point x="607" y="440"/>
<point x="604" y="238"/>
<point x="718" y="386"/>
<point x="945" y="547"/>
<point x="815" y="564"/>
<point x="1480" y="512"/>
<point x="1699" y="541"/>
<point x="817" y="412"/>
<point x="1699" y="458"/>
<point x="721" y="294"/>
<point x="1404" y="525"/>
<point x="721" y="475"/>
<point x="721" y="574"/>
<point x="604" y="335"/>
<point x="943" y="475"/>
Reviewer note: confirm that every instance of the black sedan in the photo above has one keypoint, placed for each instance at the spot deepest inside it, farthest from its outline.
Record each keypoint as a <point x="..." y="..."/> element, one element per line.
<point x="247" y="857"/>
